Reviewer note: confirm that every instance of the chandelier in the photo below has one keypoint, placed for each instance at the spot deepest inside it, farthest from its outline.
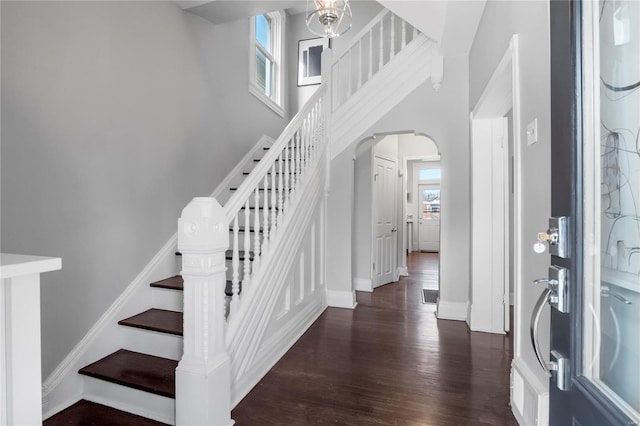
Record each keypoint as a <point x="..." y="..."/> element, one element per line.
<point x="328" y="18"/>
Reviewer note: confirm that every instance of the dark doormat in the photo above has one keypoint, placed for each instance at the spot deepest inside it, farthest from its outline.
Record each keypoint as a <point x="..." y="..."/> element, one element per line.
<point x="430" y="296"/>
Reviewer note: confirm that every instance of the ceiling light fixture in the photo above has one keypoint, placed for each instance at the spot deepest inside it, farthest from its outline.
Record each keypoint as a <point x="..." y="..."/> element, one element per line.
<point x="328" y="18"/>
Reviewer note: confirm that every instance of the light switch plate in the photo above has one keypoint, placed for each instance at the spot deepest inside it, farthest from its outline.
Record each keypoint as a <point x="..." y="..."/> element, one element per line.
<point x="532" y="132"/>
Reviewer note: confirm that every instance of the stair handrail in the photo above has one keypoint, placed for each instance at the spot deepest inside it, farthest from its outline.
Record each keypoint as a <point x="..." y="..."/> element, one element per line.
<point x="246" y="188"/>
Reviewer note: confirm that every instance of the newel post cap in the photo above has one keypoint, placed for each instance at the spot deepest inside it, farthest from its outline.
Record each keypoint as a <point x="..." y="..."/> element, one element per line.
<point x="203" y="226"/>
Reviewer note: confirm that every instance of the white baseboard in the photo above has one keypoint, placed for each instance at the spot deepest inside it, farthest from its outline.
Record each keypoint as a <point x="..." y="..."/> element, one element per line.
<point x="362" y="284"/>
<point x="341" y="299"/>
<point x="511" y="299"/>
<point x="403" y="271"/>
<point x="452" y="310"/>
<point x="275" y="348"/>
<point x="529" y="396"/>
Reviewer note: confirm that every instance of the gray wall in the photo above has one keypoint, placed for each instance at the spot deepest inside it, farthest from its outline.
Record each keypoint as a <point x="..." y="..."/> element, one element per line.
<point x="530" y="20"/>
<point x="362" y="215"/>
<point x="114" y="115"/>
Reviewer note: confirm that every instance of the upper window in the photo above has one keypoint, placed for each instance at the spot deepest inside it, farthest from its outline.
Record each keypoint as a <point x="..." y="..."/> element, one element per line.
<point x="266" y="59"/>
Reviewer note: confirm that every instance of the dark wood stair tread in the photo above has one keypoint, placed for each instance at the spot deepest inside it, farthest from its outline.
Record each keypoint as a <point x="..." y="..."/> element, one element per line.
<point x="91" y="414"/>
<point x="177" y="283"/>
<point x="135" y="370"/>
<point x="156" y="320"/>
<point x="172" y="283"/>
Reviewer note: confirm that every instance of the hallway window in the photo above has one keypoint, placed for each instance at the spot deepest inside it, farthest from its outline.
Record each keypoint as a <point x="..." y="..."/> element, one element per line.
<point x="266" y="59"/>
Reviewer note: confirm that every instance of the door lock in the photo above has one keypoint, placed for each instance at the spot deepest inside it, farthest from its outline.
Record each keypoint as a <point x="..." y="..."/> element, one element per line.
<point x="556" y="236"/>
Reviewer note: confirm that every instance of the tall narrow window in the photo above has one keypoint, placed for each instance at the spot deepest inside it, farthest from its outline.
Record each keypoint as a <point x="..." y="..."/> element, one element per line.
<point x="266" y="59"/>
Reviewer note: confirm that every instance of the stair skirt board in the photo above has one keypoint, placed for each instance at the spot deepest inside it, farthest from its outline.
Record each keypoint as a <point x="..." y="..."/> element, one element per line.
<point x="275" y="347"/>
<point x="63" y="387"/>
<point x="134" y="401"/>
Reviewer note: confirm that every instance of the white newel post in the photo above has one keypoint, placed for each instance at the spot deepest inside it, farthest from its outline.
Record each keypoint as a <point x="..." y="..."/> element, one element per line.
<point x="203" y="378"/>
<point x="20" y="349"/>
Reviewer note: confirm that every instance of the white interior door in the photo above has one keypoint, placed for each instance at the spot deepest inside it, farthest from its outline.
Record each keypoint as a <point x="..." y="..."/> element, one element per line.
<point x="384" y="221"/>
<point x="429" y="219"/>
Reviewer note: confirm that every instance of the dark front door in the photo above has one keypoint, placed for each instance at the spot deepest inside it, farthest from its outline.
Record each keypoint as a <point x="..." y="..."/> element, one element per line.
<point x="595" y="159"/>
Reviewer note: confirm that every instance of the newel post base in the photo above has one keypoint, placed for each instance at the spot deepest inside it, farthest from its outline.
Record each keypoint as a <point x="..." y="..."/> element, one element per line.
<point x="204" y="392"/>
<point x="203" y="376"/>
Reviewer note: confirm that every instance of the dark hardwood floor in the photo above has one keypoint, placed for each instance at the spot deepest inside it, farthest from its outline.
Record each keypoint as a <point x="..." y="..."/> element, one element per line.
<point x="388" y="362"/>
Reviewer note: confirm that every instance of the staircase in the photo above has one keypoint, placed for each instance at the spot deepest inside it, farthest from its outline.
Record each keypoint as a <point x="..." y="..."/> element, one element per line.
<point x="253" y="258"/>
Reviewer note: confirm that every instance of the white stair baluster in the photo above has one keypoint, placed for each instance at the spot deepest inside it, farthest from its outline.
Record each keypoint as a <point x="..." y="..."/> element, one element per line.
<point x="349" y="73"/>
<point x="381" y="61"/>
<point x="280" y="188"/>
<point x="265" y="215"/>
<point x="235" y="269"/>
<point x="392" y="44"/>
<point x="360" y="64"/>
<point x="256" y="231"/>
<point x="370" y="73"/>
<point x="298" y="159"/>
<point x="272" y="219"/>
<point x="287" y="177"/>
<point x="404" y="35"/>
<point x="246" y="276"/>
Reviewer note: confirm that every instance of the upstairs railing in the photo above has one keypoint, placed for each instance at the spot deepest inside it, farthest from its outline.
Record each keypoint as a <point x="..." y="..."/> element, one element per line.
<point x="368" y="52"/>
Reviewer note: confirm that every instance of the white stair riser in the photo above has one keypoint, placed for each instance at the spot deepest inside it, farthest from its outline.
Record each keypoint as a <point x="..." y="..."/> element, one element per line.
<point x="151" y="342"/>
<point x="131" y="400"/>
<point x="171" y="300"/>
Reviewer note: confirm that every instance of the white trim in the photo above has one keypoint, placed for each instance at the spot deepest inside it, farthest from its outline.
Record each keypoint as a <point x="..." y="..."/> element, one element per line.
<point x="452" y="310"/>
<point x="529" y="397"/>
<point x="104" y="335"/>
<point x="502" y="93"/>
<point x="255" y="91"/>
<point x="403" y="271"/>
<point x="275" y="348"/>
<point x="341" y="299"/>
<point x="362" y="284"/>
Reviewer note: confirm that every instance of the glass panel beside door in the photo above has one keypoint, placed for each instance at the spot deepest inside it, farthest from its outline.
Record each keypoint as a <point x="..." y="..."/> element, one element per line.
<point x="611" y="111"/>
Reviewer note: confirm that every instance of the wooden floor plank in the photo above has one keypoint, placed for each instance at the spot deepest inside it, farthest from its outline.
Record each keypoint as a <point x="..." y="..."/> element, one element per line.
<point x="388" y="362"/>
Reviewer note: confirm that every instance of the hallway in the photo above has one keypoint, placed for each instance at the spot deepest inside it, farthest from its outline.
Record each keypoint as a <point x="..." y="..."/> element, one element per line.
<point x="388" y="362"/>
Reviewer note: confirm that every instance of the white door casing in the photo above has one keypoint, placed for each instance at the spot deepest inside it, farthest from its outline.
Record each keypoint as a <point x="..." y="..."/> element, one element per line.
<point x="428" y="227"/>
<point x="384" y="221"/>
